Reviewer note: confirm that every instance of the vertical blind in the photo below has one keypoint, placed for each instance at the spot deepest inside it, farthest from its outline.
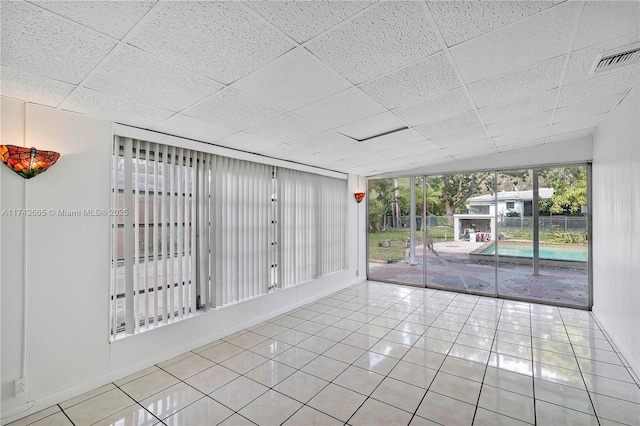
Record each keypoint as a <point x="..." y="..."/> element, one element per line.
<point x="312" y="217"/>
<point x="241" y="201"/>
<point x="199" y="231"/>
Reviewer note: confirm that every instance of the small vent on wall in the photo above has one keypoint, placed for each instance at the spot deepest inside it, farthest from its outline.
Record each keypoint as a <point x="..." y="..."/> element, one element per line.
<point x="627" y="55"/>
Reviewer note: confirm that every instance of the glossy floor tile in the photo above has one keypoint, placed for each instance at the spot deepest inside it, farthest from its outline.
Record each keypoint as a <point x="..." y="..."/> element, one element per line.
<point x="382" y="354"/>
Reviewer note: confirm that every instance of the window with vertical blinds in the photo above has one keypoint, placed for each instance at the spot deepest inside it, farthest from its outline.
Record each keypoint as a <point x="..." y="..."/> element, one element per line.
<point x="201" y="231"/>
<point x="240" y="230"/>
<point x="154" y="269"/>
<point x="312" y="218"/>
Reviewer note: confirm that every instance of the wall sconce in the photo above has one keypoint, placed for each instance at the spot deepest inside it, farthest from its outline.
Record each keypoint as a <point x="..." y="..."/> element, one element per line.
<point x="27" y="162"/>
<point x="359" y="196"/>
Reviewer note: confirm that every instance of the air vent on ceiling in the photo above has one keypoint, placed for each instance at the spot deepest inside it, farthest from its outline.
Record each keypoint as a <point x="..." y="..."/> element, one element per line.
<point x="626" y="55"/>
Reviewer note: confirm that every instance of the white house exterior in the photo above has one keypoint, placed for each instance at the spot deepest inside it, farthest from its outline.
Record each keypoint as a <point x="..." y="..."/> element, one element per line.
<point x="480" y="216"/>
<point x="508" y="201"/>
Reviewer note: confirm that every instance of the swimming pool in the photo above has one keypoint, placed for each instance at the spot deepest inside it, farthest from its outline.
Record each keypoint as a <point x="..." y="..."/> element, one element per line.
<point x="546" y="252"/>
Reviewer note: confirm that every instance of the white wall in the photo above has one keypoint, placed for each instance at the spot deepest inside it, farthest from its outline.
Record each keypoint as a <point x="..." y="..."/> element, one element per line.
<point x="11" y="247"/>
<point x="67" y="272"/>
<point x="68" y="280"/>
<point x="616" y="226"/>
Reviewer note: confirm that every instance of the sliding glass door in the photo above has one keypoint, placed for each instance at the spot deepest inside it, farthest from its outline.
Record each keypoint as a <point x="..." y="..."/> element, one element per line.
<point x="519" y="234"/>
<point x="515" y="243"/>
<point x="460" y="224"/>
<point x="396" y="230"/>
<point x="543" y="243"/>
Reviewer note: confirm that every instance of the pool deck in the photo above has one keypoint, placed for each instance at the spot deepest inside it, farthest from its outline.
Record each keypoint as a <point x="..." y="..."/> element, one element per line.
<point x="453" y="268"/>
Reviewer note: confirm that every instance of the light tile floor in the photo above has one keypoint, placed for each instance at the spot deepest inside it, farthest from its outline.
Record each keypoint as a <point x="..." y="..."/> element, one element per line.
<point x="382" y="354"/>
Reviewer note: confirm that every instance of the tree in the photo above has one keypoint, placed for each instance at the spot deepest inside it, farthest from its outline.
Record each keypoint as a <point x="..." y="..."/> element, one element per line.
<point x="456" y="189"/>
<point x="382" y="201"/>
<point x="404" y="198"/>
<point x="570" y="185"/>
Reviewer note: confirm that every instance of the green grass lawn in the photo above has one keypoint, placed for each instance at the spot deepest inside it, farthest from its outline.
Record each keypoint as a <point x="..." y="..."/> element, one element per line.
<point x="397" y="238"/>
<point x="388" y="254"/>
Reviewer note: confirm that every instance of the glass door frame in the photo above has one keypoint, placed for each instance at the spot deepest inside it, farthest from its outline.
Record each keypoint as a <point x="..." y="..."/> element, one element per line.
<point x="535" y="218"/>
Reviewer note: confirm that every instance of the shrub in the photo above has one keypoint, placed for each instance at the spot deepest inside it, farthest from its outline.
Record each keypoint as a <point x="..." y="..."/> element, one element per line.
<point x="568" y="238"/>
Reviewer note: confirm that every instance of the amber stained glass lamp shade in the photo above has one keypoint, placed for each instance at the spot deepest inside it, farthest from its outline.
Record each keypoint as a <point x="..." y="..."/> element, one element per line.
<point x="359" y="196"/>
<point x="27" y="162"/>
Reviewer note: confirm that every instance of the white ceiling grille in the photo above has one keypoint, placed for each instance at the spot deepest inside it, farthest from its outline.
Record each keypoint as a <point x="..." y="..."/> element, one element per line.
<point x="620" y="57"/>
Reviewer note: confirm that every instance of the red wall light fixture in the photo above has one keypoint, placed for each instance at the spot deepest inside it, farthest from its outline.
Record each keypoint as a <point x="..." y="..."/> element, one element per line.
<point x="359" y="196"/>
<point x="27" y="162"/>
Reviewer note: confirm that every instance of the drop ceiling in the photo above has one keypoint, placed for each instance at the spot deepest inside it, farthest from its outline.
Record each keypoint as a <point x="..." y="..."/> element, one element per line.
<point x="315" y="82"/>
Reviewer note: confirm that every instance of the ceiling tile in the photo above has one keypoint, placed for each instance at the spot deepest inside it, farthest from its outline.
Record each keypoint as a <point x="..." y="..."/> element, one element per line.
<point x="583" y="60"/>
<point x="371" y="126"/>
<point x="365" y="170"/>
<point x="132" y="74"/>
<point x="571" y="135"/>
<point x="433" y="157"/>
<point x="450" y="126"/>
<point x="462" y="20"/>
<point x="520" y="124"/>
<point x="33" y="88"/>
<point x="287" y="152"/>
<point x="606" y="20"/>
<point x="246" y="142"/>
<point x="397" y="140"/>
<point x="390" y="165"/>
<point x="544" y="101"/>
<point x="418" y="149"/>
<point x="286" y="128"/>
<point x="382" y="39"/>
<point x="582" y="123"/>
<point x="609" y="84"/>
<point x="343" y="167"/>
<point x="229" y="108"/>
<point x="414" y="83"/>
<point x="593" y="106"/>
<point x="532" y="40"/>
<point x="348" y="163"/>
<point x="399" y="167"/>
<point x="304" y="20"/>
<point x="435" y="109"/>
<point x="187" y="127"/>
<point x="515" y="145"/>
<point x="376" y="157"/>
<point x="418" y="160"/>
<point x="518" y="84"/>
<point x="292" y="81"/>
<point x="523" y="136"/>
<point x="37" y="41"/>
<point x="354" y="150"/>
<point x="475" y="149"/>
<point x="466" y="136"/>
<point x="114" y="18"/>
<point x="342" y="108"/>
<point x="324" y="159"/>
<point x="101" y="105"/>
<point x="221" y="40"/>
<point x="323" y="142"/>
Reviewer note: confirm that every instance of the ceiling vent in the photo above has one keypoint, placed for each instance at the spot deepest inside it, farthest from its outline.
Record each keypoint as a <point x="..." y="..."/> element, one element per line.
<point x="612" y="59"/>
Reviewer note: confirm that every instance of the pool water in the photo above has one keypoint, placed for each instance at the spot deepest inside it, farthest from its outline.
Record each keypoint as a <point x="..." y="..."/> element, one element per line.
<point x="554" y="253"/>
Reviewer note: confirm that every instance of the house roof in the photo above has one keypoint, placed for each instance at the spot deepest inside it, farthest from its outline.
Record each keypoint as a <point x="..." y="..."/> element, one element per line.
<point x="358" y="87"/>
<point x="512" y="196"/>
